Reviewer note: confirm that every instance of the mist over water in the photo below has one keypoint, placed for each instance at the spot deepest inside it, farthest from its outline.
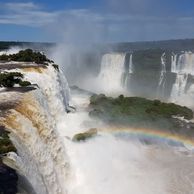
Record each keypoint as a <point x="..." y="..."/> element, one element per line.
<point x="111" y="164"/>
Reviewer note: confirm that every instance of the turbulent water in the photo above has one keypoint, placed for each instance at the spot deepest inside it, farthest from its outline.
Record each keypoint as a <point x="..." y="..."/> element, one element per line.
<point x="34" y="125"/>
<point x="111" y="164"/>
<point x="52" y="163"/>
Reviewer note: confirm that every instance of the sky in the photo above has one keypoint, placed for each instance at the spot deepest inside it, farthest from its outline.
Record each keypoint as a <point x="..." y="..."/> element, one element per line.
<point x="83" y="21"/>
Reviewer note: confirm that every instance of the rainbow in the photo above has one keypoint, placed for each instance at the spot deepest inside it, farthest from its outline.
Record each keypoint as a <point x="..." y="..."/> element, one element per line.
<point x="151" y="133"/>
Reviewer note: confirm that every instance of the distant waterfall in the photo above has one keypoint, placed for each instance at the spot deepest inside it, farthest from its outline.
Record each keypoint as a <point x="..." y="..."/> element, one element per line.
<point x="162" y="79"/>
<point x="173" y="63"/>
<point x="129" y="69"/>
<point x="35" y="126"/>
<point x="112" y="71"/>
<point x="131" y="64"/>
<point x="183" y="68"/>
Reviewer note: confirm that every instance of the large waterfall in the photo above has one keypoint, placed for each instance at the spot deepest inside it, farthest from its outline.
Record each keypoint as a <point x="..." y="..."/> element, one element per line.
<point x="183" y="88"/>
<point x="112" y="71"/>
<point x="35" y="125"/>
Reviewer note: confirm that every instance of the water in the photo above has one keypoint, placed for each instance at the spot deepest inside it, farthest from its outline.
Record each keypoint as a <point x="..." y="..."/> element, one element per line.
<point x="42" y="131"/>
<point x="34" y="125"/>
<point x="107" y="164"/>
<point x="111" y="73"/>
<point x="173" y="63"/>
<point x="131" y="64"/>
<point x="162" y="79"/>
<point x="183" y="68"/>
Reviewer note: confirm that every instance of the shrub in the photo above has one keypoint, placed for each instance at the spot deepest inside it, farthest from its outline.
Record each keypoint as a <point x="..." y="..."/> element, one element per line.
<point x="24" y="83"/>
<point x="27" y="55"/>
<point x="5" y="143"/>
<point x="4" y="57"/>
<point x="9" y="79"/>
<point x="56" y="67"/>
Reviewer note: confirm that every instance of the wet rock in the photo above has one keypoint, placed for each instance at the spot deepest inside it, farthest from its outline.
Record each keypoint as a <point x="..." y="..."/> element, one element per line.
<point x="8" y="180"/>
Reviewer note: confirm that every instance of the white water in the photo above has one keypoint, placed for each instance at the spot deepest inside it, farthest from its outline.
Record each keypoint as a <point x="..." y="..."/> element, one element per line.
<point x="12" y="50"/>
<point x="173" y="63"/>
<point x="127" y="76"/>
<point x="183" y="67"/>
<point x="35" y="131"/>
<point x="162" y="79"/>
<point x="111" y="73"/>
<point x="131" y="64"/>
<point x="107" y="164"/>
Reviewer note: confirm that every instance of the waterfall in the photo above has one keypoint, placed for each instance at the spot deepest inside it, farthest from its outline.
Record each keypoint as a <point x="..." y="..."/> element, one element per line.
<point x="179" y="85"/>
<point x="129" y="71"/>
<point x="173" y="63"/>
<point x="111" y="74"/>
<point x="162" y="79"/>
<point x="183" y="68"/>
<point x="35" y="126"/>
<point x="131" y="64"/>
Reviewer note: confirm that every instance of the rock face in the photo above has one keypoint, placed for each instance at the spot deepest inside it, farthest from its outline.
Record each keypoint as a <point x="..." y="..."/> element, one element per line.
<point x="8" y="180"/>
<point x="8" y="176"/>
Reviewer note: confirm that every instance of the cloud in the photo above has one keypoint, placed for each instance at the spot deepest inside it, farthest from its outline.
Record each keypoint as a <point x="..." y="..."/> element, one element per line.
<point x="21" y="6"/>
<point x="27" y="14"/>
<point x="124" y="20"/>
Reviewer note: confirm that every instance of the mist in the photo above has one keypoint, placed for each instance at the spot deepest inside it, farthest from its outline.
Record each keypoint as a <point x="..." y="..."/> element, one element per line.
<point x="121" y="164"/>
<point x="84" y="32"/>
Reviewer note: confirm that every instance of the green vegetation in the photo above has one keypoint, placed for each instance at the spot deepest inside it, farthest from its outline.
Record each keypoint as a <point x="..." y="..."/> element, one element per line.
<point x="27" y="55"/>
<point x="136" y="111"/>
<point x="9" y="79"/>
<point x="5" y="143"/>
<point x="24" y="83"/>
<point x="85" y="136"/>
<point x="56" y="67"/>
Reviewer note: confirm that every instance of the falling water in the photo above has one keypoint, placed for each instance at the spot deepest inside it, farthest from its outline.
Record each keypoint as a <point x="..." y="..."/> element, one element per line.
<point x="131" y="64"/>
<point x="173" y="63"/>
<point x="111" y="74"/>
<point x="183" y="68"/>
<point x="162" y="79"/>
<point x="35" y="130"/>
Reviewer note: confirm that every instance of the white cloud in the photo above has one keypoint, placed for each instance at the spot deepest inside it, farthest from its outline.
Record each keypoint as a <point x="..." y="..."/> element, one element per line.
<point x="82" y="24"/>
<point x="28" y="14"/>
<point x="21" y="6"/>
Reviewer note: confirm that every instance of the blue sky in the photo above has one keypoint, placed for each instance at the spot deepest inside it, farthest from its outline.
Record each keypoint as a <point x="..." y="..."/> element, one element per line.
<point x="96" y="21"/>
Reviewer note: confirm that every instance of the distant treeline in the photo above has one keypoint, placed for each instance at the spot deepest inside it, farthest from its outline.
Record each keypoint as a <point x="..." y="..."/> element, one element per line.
<point x="169" y="45"/>
<point x="4" y="45"/>
<point x="27" y="55"/>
